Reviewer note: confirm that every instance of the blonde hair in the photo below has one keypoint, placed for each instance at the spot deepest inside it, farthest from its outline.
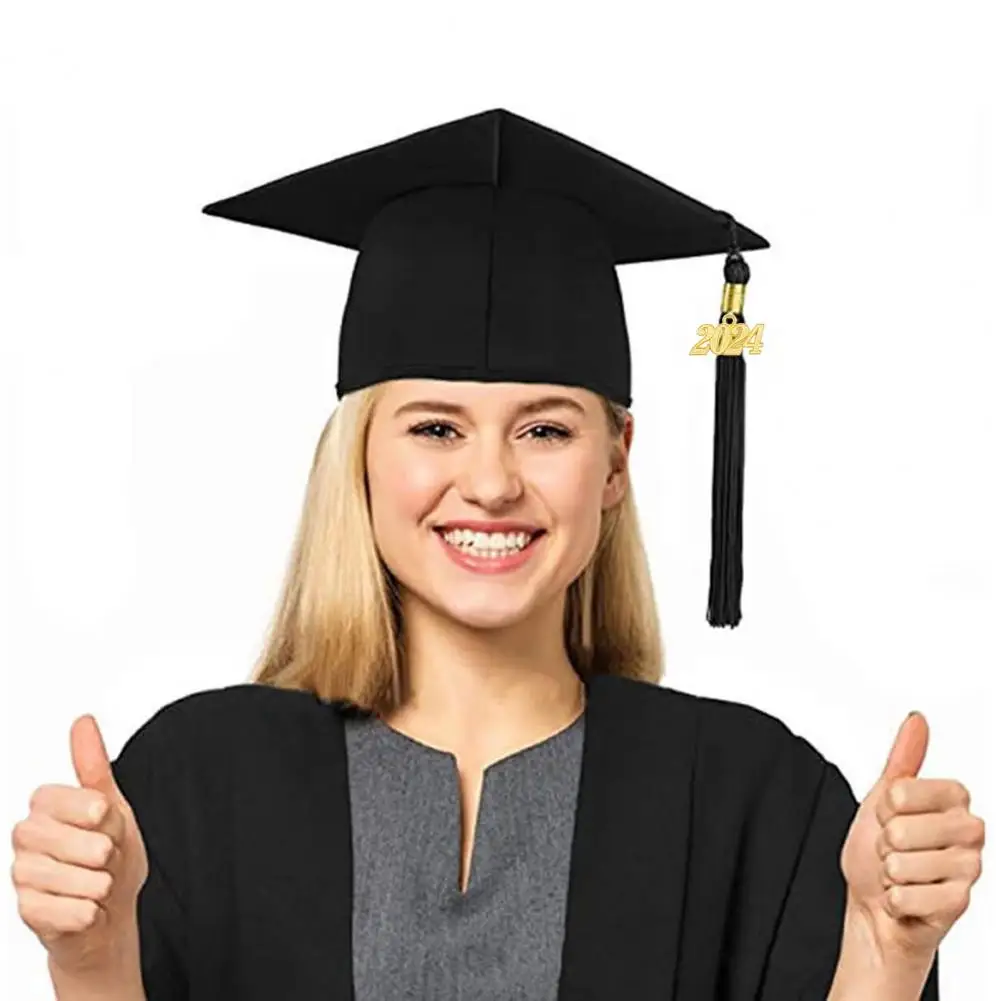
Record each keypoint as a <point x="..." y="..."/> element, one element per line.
<point x="337" y="628"/>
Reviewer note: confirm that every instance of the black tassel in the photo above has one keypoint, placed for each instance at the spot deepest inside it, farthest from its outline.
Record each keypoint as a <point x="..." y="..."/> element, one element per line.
<point x="726" y="573"/>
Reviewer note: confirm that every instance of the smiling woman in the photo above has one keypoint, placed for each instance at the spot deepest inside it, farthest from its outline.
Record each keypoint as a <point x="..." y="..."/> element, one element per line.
<point x="453" y="774"/>
<point x="367" y="557"/>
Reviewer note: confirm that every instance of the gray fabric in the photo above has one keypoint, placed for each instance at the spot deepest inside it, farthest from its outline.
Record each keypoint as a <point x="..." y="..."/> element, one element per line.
<point x="415" y="936"/>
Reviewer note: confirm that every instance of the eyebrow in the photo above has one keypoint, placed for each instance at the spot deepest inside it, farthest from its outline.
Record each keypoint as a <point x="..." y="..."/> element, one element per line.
<point x="531" y="407"/>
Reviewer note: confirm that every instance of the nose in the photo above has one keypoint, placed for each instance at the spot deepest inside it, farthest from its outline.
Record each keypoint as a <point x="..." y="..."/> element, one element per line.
<point x="489" y="474"/>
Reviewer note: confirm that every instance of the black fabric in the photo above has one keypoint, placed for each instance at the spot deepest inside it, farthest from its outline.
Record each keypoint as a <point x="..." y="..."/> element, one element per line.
<point x="704" y="867"/>
<point x="726" y="566"/>
<point x="147" y="771"/>
<point x="488" y="248"/>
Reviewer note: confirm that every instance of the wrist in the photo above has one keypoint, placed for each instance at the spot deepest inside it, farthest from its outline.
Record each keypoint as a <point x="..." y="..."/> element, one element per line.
<point x="867" y="971"/>
<point x="112" y="975"/>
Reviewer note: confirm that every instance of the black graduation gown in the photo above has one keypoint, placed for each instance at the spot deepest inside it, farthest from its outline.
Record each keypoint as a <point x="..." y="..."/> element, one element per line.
<point x="705" y="861"/>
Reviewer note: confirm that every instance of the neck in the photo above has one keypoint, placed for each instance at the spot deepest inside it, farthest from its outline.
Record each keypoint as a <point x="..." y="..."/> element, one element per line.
<point x="484" y="693"/>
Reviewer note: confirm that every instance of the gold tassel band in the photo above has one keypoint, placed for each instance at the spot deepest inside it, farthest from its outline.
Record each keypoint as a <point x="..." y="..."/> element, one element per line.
<point x="733" y="298"/>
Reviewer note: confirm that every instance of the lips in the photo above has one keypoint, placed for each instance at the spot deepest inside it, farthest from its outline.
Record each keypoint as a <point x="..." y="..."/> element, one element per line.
<point x="492" y="564"/>
<point x="531" y="532"/>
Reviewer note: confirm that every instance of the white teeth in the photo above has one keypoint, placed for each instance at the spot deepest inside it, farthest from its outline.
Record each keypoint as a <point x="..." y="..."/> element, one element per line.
<point x="487" y="544"/>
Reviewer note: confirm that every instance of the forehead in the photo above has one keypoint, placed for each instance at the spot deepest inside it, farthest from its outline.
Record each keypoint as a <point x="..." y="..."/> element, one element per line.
<point x="483" y="397"/>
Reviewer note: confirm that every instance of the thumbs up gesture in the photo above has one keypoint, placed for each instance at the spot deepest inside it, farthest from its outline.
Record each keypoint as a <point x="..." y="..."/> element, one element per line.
<point x="79" y="864"/>
<point x="911" y="854"/>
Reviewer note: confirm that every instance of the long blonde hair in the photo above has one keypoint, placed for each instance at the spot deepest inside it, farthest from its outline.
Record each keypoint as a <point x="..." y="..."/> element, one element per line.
<point x="337" y="629"/>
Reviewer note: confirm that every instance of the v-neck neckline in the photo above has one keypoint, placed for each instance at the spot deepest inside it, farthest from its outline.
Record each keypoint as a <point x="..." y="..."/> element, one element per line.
<point x="408" y="743"/>
<point x="535" y="758"/>
<point x="628" y="857"/>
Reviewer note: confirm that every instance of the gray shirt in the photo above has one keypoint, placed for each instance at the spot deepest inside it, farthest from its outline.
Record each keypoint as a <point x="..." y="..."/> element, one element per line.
<point x="415" y="935"/>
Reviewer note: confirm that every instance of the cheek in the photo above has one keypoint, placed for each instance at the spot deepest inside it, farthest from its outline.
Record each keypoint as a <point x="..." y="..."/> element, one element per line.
<point x="572" y="491"/>
<point x="402" y="491"/>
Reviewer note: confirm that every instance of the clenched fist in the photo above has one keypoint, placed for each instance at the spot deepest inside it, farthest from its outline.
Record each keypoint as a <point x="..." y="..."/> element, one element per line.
<point x="79" y="864"/>
<point x="912" y="854"/>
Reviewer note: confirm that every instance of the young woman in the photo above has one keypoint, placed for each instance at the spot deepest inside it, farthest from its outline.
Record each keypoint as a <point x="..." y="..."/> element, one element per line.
<point x="454" y="773"/>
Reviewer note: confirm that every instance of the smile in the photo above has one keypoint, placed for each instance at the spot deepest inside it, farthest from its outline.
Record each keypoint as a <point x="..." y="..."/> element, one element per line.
<point x="489" y="552"/>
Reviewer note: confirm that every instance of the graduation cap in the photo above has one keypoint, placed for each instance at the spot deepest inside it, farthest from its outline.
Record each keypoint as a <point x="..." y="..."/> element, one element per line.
<point x="487" y="252"/>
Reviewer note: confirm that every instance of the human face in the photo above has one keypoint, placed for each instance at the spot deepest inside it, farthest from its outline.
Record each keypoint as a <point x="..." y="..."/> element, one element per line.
<point x="446" y="455"/>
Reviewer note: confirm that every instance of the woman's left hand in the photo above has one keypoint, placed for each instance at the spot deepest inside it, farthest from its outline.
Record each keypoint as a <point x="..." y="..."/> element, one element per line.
<point x="911" y="855"/>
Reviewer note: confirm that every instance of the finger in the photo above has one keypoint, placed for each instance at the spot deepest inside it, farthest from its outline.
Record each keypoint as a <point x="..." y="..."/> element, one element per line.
<point x="931" y="866"/>
<point x="85" y="808"/>
<point x="51" y="915"/>
<point x="945" y="900"/>
<point x="90" y="757"/>
<point x="916" y="795"/>
<point x="909" y="748"/>
<point x="41" y="834"/>
<point x="920" y="831"/>
<point x="40" y="872"/>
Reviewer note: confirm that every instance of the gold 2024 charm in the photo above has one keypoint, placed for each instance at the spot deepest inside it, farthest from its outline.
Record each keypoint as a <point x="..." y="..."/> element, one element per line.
<point x="728" y="337"/>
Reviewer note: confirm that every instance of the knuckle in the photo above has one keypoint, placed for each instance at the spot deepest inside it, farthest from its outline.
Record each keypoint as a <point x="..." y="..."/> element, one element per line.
<point x="104" y="882"/>
<point x="976" y="866"/>
<point x="979" y="830"/>
<point x="84" y="915"/>
<point x="20" y="834"/>
<point x="892" y="864"/>
<point x="893" y="831"/>
<point x="897" y="794"/>
<point x="36" y="803"/>
<point x="104" y="850"/>
<point x="964" y="795"/>
<point x="27" y="908"/>
<point x="91" y="912"/>
<point x="19" y="870"/>
<point x="100" y="802"/>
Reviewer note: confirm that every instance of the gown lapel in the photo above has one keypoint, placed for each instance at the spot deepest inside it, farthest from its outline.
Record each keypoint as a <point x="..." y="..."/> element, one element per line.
<point x="628" y="858"/>
<point x="331" y="889"/>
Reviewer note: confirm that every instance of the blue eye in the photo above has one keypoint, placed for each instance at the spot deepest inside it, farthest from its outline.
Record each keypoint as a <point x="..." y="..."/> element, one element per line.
<point x="421" y="429"/>
<point x="431" y="430"/>
<point x="560" y="433"/>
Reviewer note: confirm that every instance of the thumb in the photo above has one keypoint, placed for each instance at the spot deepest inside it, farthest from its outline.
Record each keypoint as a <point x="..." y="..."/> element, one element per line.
<point x="908" y="751"/>
<point x="90" y="758"/>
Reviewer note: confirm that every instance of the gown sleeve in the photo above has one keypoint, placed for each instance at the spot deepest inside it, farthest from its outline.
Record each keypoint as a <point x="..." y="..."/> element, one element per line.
<point x="147" y="774"/>
<point x="805" y="950"/>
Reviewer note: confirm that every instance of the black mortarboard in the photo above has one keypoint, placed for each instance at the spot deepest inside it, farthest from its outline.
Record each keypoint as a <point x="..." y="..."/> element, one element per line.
<point x="488" y="248"/>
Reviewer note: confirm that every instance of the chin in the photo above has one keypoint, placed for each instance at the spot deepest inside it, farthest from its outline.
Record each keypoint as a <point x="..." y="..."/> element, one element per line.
<point x="484" y="618"/>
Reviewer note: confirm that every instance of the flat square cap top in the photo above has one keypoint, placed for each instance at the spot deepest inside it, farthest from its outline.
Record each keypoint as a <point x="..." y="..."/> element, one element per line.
<point x="641" y="218"/>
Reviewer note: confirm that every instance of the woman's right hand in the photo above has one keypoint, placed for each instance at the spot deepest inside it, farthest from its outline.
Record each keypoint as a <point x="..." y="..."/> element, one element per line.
<point x="79" y="864"/>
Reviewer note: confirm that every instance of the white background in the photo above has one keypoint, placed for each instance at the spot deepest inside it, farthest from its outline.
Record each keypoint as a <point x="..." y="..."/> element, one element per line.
<point x="164" y="375"/>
